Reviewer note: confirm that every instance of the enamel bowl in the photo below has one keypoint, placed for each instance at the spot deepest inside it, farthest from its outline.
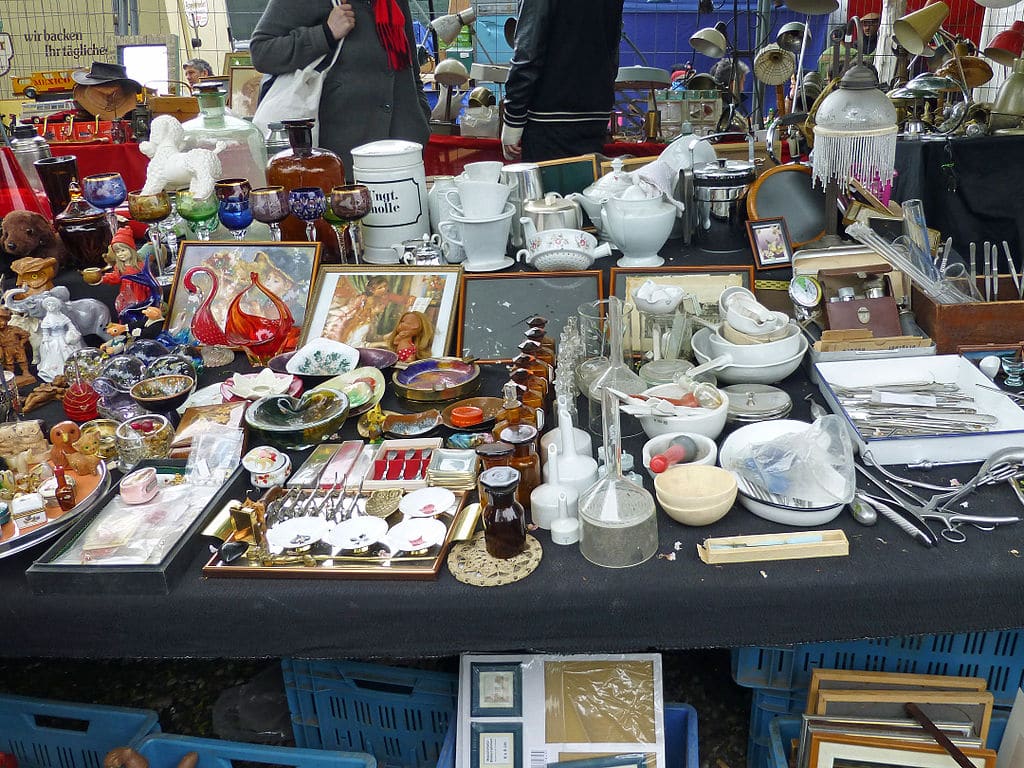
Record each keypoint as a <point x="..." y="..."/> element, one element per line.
<point x="734" y="373"/>
<point x="703" y="421"/>
<point x="436" y="379"/>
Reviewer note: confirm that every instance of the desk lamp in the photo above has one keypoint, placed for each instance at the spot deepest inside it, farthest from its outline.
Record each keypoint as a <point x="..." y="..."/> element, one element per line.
<point x="447" y="28"/>
<point x="774" y="65"/>
<point x="648" y="79"/>
<point x="710" y="41"/>
<point x="1005" y="47"/>
<point x="854" y="136"/>
<point x="1008" y="107"/>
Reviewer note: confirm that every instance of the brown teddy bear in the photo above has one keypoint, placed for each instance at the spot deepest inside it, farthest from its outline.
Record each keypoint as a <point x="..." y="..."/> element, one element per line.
<point x="26" y="233"/>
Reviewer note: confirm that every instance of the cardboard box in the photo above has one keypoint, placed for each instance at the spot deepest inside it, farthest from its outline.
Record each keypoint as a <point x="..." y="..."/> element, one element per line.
<point x="987" y="322"/>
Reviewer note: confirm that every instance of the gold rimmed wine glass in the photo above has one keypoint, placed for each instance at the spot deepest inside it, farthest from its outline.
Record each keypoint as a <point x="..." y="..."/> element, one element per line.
<point x="349" y="203"/>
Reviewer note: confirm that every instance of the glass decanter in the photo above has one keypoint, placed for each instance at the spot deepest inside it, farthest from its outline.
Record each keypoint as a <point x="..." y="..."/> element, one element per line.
<point x="617" y="376"/>
<point x="243" y="153"/>
<point x="618" y="519"/>
<point x="304" y="165"/>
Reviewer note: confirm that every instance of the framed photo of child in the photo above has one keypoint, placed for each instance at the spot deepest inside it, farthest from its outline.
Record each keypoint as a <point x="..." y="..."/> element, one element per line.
<point x="769" y="240"/>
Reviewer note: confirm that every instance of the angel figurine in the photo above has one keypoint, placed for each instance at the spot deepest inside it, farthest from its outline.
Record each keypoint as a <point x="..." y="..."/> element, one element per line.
<point x="58" y="339"/>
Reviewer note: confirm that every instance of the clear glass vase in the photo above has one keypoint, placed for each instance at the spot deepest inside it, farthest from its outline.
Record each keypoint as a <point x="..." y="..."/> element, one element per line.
<point x="238" y="143"/>
<point x="618" y="519"/>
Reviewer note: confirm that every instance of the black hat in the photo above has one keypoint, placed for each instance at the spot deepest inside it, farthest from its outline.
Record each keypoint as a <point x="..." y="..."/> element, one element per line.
<point x="103" y="73"/>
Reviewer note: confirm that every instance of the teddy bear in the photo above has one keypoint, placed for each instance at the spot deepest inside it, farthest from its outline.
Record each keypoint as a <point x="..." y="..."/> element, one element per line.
<point x="26" y="233"/>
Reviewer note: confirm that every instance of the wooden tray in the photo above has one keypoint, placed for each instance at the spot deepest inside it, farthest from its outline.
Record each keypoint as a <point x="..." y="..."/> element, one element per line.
<point x="423" y="567"/>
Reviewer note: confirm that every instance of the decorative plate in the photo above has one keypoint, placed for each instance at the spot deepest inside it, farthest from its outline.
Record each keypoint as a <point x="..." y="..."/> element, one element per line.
<point x="363" y="386"/>
<point x="357" y="533"/>
<point x="489" y="405"/>
<point x="296" y="533"/>
<point x="416" y="535"/>
<point x="412" y="424"/>
<point x="323" y="357"/>
<point x="426" y="502"/>
<point x="253" y="386"/>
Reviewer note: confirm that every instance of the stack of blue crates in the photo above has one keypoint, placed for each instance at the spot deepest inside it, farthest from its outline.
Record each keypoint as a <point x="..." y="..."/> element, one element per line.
<point x="780" y="676"/>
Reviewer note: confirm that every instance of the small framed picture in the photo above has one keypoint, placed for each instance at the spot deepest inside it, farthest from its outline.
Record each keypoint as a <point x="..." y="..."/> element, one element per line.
<point x="769" y="240"/>
<point x="496" y="745"/>
<point x="244" y="90"/>
<point x="497" y="690"/>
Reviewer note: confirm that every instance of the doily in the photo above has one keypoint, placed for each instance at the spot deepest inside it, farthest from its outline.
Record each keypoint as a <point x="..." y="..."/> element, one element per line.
<point x="469" y="562"/>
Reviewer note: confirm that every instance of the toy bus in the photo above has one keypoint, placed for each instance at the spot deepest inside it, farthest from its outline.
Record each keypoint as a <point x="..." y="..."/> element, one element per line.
<point x="52" y="81"/>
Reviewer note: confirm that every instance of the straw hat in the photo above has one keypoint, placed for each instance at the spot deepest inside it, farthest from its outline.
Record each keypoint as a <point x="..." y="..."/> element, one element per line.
<point x="105" y="90"/>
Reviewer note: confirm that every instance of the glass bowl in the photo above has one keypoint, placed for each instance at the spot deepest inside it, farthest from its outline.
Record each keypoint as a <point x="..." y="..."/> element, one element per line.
<point x="297" y="423"/>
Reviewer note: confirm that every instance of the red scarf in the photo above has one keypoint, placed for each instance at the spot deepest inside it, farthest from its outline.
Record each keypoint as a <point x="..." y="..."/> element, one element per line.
<point x="390" y="22"/>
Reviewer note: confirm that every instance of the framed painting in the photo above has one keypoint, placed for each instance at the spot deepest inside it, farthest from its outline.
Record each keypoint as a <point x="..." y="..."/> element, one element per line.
<point x="493" y="308"/>
<point x="769" y="240"/>
<point x="224" y="270"/>
<point x="833" y="750"/>
<point x="244" y="90"/>
<point x="497" y="690"/>
<point x="361" y="305"/>
<point x="496" y="745"/>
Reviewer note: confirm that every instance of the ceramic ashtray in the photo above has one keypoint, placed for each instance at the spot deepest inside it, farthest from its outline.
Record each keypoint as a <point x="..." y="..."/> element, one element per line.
<point x="139" y="486"/>
<point x="267" y="466"/>
<point x="323" y="357"/>
<point x="426" y="502"/>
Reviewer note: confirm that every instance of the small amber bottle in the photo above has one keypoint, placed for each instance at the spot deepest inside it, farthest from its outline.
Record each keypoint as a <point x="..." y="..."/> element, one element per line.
<point x="534" y="365"/>
<point x="531" y="347"/>
<point x="491" y="455"/>
<point x="504" y="518"/>
<point x="532" y="400"/>
<point x="65" y="493"/>
<point x="512" y="411"/>
<point x="540" y="336"/>
<point x="525" y="459"/>
<point x="536" y="384"/>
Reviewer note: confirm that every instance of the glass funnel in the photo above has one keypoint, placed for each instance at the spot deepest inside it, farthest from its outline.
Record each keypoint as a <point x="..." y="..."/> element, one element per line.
<point x="618" y="375"/>
<point x="618" y="520"/>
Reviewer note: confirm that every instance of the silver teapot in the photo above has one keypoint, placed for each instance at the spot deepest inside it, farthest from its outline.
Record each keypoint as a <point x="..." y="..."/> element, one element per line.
<point x="428" y="250"/>
<point x="553" y="212"/>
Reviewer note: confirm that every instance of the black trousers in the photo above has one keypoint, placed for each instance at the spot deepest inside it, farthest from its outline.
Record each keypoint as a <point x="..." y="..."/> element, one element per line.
<point x="549" y="141"/>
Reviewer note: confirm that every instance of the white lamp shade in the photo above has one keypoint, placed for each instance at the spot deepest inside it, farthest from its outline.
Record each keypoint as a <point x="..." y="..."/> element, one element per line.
<point x="448" y="27"/>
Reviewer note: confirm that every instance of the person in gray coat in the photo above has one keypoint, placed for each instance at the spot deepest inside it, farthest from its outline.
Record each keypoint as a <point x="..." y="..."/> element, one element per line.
<point x="373" y="91"/>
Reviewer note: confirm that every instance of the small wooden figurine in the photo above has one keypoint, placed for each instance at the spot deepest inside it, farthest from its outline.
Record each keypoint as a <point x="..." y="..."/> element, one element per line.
<point x="45" y="393"/>
<point x="13" y="342"/>
<point x="35" y="274"/>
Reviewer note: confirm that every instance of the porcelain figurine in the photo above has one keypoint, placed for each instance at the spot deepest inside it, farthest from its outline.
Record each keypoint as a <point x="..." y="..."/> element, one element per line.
<point x="121" y="257"/>
<point x="90" y="316"/>
<point x="13" y="341"/>
<point x="171" y="168"/>
<point x="21" y="436"/>
<point x="58" y="339"/>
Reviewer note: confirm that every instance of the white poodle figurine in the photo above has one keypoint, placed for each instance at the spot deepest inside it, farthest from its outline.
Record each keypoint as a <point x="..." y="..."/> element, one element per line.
<point x="170" y="168"/>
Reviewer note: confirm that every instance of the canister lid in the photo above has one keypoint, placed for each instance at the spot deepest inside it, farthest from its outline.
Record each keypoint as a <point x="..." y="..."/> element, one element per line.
<point x="499" y="478"/>
<point x="757" y="402"/>
<point x="387" y="153"/>
<point x="728" y="171"/>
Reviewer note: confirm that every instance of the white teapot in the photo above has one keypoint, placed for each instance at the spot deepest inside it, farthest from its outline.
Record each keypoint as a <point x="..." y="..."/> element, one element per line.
<point x="639" y="223"/>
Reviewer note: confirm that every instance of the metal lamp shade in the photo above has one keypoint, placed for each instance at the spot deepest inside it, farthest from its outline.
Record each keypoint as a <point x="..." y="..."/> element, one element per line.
<point x="792" y="35"/>
<point x="915" y="30"/>
<point x="773" y="65"/>
<point x="813" y="7"/>
<point x="710" y="41"/>
<point x="448" y="27"/>
<point x="977" y="71"/>
<point x="1008" y="107"/>
<point x="1007" y="45"/>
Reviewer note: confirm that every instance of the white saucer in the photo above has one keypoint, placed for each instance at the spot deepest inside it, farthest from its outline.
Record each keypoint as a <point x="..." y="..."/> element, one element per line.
<point x="492" y="267"/>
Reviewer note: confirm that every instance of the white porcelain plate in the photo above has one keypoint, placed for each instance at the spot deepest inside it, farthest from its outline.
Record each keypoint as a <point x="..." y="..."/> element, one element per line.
<point x="426" y="502"/>
<point x="416" y="534"/>
<point x="296" y="533"/>
<point x="357" y="533"/>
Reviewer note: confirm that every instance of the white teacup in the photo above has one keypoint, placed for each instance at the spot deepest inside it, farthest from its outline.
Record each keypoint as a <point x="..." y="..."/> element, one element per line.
<point x="483" y="241"/>
<point x="484" y="170"/>
<point x="477" y="199"/>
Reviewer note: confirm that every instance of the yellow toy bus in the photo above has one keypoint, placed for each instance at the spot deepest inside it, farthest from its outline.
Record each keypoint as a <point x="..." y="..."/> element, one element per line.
<point x="52" y="81"/>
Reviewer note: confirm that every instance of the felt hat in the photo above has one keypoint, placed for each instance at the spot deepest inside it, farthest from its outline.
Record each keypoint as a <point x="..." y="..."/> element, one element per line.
<point x="108" y="101"/>
<point x="102" y="73"/>
<point x="124" y="236"/>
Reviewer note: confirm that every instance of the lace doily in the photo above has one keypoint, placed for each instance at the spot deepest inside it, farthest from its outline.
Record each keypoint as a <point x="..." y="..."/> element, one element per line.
<point x="469" y="562"/>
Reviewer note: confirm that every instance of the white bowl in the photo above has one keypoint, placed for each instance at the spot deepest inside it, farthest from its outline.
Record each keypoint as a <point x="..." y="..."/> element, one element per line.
<point x="772" y="321"/>
<point x="702" y="421"/>
<point x="770" y="373"/>
<point x="694" y="494"/>
<point x="731" y="294"/>
<point x="769" y="353"/>
<point x="748" y="497"/>
<point x="707" y="451"/>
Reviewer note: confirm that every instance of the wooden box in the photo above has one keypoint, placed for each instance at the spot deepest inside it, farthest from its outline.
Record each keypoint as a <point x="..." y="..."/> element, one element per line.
<point x="181" y="107"/>
<point x="986" y="322"/>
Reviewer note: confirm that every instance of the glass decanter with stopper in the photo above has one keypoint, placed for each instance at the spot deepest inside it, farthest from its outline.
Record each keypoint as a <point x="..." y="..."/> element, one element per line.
<point x="303" y="165"/>
<point x="618" y="519"/>
<point x="503" y="517"/>
<point x="243" y="153"/>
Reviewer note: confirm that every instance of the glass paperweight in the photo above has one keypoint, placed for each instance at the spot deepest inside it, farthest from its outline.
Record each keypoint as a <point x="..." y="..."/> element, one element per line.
<point x="618" y="522"/>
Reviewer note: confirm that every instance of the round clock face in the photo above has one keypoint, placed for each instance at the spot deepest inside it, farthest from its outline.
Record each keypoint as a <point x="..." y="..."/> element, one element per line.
<point x="805" y="291"/>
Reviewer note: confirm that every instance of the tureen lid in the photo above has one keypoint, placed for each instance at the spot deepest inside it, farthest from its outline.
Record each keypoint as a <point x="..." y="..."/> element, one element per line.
<point x="741" y="171"/>
<point x="616" y="180"/>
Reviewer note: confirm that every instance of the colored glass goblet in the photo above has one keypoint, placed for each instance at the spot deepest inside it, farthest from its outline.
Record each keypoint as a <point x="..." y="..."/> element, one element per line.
<point x="106" y="191"/>
<point x="308" y="204"/>
<point x="236" y="217"/>
<point x="270" y="206"/>
<point x="232" y="190"/>
<point x="152" y="209"/>
<point x="350" y="203"/>
<point x="200" y="213"/>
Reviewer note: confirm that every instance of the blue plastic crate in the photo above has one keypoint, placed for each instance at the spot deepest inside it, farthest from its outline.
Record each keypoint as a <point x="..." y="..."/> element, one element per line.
<point x="785" y="728"/>
<point x="60" y="734"/>
<point x="401" y="716"/>
<point x="998" y="657"/>
<point x="165" y="751"/>
<point x="765" y="708"/>
<point x="681" y="736"/>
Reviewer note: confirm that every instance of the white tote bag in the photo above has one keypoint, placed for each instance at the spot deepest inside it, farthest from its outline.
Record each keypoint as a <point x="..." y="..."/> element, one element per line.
<point x="295" y="95"/>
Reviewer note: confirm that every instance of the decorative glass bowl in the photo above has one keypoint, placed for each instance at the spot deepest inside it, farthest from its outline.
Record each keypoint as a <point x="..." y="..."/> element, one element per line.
<point x="143" y="437"/>
<point x="297" y="423"/>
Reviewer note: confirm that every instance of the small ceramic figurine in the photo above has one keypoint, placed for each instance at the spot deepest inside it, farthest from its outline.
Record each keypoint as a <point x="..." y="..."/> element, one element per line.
<point x="58" y="339"/>
<point x="170" y="168"/>
<point x="121" y="257"/>
<point x="121" y="336"/>
<point x="90" y="316"/>
<point x="18" y="437"/>
<point x="35" y="274"/>
<point x="412" y="337"/>
<point x="375" y="419"/>
<point x="64" y="436"/>
<point x="13" y="341"/>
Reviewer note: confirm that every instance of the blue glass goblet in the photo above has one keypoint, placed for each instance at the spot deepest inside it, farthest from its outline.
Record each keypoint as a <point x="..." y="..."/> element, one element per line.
<point x="308" y="204"/>
<point x="236" y="217"/>
<point x="106" y="191"/>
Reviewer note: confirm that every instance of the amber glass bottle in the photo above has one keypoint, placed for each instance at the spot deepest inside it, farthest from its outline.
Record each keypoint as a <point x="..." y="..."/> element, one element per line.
<point x="525" y="459"/>
<point x="534" y="348"/>
<point x="503" y="517"/>
<point x="303" y="165"/>
<point x="512" y="411"/>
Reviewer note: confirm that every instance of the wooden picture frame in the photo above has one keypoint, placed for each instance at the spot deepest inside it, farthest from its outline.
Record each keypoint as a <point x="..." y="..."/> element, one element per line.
<point x="236" y="59"/>
<point x="493" y="308"/>
<point x="770" y="243"/>
<point x="244" y="90"/>
<point x="286" y="268"/>
<point x="569" y="174"/>
<point x="496" y="689"/>
<point x="361" y="305"/>
<point x="832" y="750"/>
<point x="863" y="680"/>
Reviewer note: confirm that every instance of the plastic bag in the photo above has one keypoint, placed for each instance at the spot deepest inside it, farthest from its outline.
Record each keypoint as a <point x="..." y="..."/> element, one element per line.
<point x="480" y="122"/>
<point x="813" y="465"/>
<point x="295" y="95"/>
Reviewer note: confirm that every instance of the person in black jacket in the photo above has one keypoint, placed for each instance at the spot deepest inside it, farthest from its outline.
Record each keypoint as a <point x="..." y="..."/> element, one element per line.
<point x="561" y="86"/>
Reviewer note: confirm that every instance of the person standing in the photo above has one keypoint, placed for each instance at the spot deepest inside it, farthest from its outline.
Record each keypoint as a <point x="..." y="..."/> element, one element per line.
<point x="373" y="91"/>
<point x="561" y="85"/>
